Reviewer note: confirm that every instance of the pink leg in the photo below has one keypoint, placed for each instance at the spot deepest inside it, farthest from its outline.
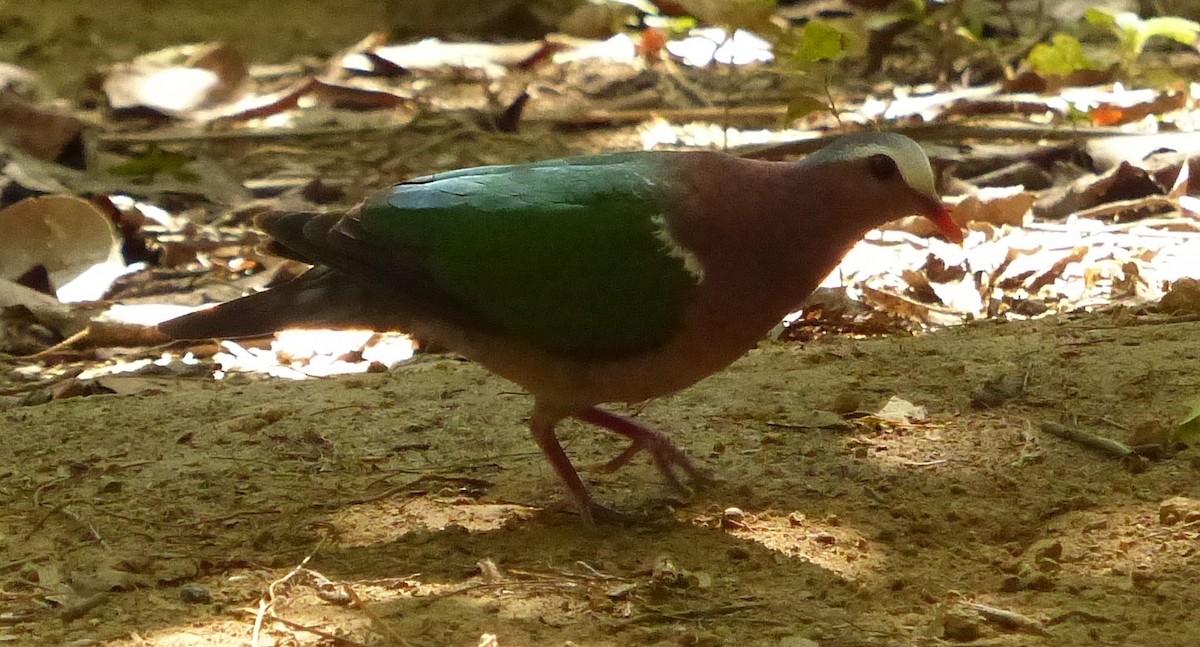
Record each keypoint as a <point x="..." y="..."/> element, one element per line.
<point x="542" y="424"/>
<point x="666" y="457"/>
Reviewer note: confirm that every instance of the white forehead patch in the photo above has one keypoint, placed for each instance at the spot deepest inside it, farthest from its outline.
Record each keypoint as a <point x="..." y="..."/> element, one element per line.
<point x="909" y="158"/>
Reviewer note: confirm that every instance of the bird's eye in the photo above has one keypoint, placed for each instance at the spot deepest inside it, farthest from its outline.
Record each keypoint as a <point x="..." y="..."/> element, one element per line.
<point x="883" y="167"/>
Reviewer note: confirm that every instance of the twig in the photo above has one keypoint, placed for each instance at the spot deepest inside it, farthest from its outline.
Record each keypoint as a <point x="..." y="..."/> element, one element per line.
<point x="696" y="614"/>
<point x="37" y="493"/>
<point x="341" y="640"/>
<point x="1174" y="529"/>
<point x="4" y="566"/>
<point x="1101" y="444"/>
<point x="83" y="607"/>
<point x="714" y="114"/>
<point x="60" y="346"/>
<point x="41" y="384"/>
<point x="1169" y="319"/>
<point x="70" y="514"/>
<point x="931" y="463"/>
<point x="933" y="131"/>
<point x="1148" y="320"/>
<point x="1009" y="619"/>
<point x="380" y="625"/>
<point x="265" y="603"/>
<point x="187" y="136"/>
<point x="1119" y="207"/>
<point x="1147" y="225"/>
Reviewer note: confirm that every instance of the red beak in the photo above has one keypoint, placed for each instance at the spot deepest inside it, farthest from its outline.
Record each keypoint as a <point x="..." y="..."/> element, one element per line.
<point x="940" y="216"/>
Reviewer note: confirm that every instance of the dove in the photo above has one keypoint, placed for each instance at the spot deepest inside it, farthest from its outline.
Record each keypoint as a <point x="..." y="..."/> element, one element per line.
<point x="611" y="278"/>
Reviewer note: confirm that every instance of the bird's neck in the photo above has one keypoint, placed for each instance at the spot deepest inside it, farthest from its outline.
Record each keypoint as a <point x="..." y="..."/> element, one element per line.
<point x="767" y="234"/>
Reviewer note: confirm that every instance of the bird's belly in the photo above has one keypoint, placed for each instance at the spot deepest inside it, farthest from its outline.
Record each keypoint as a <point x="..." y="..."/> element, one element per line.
<point x="692" y="355"/>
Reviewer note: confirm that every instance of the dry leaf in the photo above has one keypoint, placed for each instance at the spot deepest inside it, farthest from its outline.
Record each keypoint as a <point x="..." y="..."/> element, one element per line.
<point x="434" y="54"/>
<point x="44" y="134"/>
<point x="65" y="234"/>
<point x="179" y="80"/>
<point x="1183" y="298"/>
<point x="901" y="412"/>
<point x="994" y="205"/>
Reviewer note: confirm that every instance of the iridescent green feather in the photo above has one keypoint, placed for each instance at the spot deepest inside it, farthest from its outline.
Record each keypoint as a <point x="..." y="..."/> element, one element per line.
<point x="569" y="255"/>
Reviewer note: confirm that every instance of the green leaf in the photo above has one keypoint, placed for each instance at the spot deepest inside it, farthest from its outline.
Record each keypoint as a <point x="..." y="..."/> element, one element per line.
<point x="820" y="42"/>
<point x="144" y="167"/>
<point x="1064" y="55"/>
<point x="966" y="34"/>
<point x="805" y="104"/>
<point x="1180" y="30"/>
<point x="1100" y="18"/>
<point x="1134" y="31"/>
<point x="975" y="14"/>
<point x="1188" y="431"/>
<point x="681" y="25"/>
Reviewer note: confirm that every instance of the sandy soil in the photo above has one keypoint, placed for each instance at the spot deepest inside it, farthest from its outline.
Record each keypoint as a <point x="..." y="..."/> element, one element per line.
<point x="427" y="517"/>
<point x="414" y="508"/>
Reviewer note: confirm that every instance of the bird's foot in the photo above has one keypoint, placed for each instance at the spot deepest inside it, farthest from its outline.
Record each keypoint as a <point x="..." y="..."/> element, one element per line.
<point x="667" y="458"/>
<point x="542" y="423"/>
<point x="597" y="515"/>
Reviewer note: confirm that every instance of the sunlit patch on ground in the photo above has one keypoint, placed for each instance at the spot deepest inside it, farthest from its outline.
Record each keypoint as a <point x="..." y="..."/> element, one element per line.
<point x="298" y="354"/>
<point x="390" y="519"/>
<point x="1165" y="540"/>
<point x="660" y="132"/>
<point x="828" y="543"/>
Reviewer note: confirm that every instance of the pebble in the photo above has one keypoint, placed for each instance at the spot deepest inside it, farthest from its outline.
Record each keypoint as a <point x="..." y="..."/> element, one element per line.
<point x="195" y="594"/>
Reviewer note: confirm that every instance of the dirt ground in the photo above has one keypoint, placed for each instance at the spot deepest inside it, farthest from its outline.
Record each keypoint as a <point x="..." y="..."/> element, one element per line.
<point x="64" y="40"/>
<point x="422" y="513"/>
<point x="414" y="509"/>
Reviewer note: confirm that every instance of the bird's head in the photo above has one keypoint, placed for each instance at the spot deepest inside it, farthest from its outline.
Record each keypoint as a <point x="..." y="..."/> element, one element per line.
<point x="896" y="167"/>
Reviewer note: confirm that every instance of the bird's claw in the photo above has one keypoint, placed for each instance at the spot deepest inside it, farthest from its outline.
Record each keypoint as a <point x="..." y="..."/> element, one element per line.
<point x="597" y="514"/>
<point x="667" y="459"/>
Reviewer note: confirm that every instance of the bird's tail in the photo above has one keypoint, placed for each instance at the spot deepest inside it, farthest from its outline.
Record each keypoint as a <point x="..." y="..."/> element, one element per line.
<point x="319" y="298"/>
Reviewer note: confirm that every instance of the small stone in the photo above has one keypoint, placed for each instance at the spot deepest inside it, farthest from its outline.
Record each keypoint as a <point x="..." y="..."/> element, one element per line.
<point x="195" y="594"/>
<point x="1182" y="298"/>
<point x="797" y="641"/>
<point x="961" y="626"/>
<point x="1040" y="582"/>
<point x="1150" y="432"/>
<point x="997" y="391"/>
<point x="739" y="553"/>
<point x="1048" y="549"/>
<point x="489" y="570"/>
<point x="1046" y="565"/>
<point x="1178" y="509"/>
<point x="111" y="486"/>
<point x="824" y="538"/>
<point x="846" y="402"/>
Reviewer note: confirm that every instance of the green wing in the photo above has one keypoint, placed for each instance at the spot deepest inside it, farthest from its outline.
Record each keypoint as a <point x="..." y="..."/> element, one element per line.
<point x="570" y="255"/>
